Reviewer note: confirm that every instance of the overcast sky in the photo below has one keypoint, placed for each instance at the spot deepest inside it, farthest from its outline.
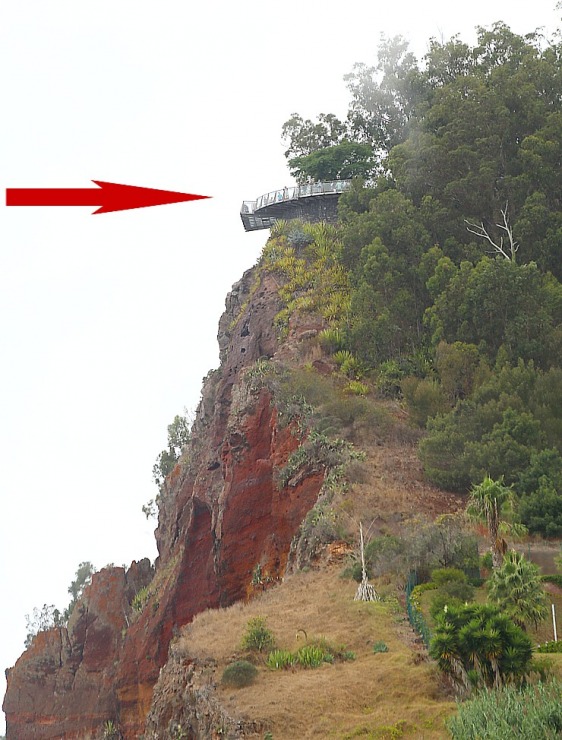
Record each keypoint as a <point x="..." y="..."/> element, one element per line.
<point x="108" y="323"/>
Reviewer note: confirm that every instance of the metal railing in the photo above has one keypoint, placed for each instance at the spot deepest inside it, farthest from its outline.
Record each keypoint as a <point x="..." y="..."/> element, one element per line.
<point x="293" y="193"/>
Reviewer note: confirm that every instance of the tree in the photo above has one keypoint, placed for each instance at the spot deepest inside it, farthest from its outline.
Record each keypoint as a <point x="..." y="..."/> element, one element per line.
<point x="497" y="304"/>
<point x="306" y="136"/>
<point x="516" y="588"/>
<point x="489" y="500"/>
<point x="342" y="161"/>
<point x="179" y="434"/>
<point x="42" y="620"/>
<point x="83" y="578"/>
<point x="476" y="645"/>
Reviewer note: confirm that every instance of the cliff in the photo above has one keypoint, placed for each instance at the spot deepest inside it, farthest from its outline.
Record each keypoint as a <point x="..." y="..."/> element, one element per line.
<point x="221" y="514"/>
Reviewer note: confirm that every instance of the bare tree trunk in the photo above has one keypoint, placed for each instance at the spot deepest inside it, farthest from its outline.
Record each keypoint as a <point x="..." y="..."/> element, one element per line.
<point x="365" y="591"/>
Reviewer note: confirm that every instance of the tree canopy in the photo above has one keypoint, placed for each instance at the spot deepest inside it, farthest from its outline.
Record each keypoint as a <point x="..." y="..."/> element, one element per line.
<point x="450" y="239"/>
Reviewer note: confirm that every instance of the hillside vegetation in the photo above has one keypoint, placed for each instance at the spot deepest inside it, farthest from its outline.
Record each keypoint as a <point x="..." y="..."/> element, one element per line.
<point x="441" y="286"/>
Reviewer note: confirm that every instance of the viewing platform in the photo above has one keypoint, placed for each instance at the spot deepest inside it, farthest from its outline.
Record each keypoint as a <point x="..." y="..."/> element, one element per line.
<point x="316" y="201"/>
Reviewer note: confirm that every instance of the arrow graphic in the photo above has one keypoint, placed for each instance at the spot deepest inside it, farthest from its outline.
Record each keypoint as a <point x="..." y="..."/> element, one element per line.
<point x="108" y="195"/>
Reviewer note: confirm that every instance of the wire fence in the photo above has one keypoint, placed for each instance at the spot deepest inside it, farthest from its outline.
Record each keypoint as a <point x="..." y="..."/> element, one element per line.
<point x="415" y="616"/>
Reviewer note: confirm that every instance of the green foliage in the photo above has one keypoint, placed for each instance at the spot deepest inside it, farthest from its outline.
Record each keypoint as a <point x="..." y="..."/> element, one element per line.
<point x="318" y="452"/>
<point x="516" y="588"/>
<point x="179" y="434"/>
<point x="380" y="647"/>
<point x="540" y="490"/>
<point x="41" y="620"/>
<point x="312" y="656"/>
<point x="452" y="589"/>
<point x="331" y="339"/>
<point x="280" y="659"/>
<point x="445" y="576"/>
<point x="239" y="674"/>
<point x="336" y="162"/>
<point x="83" y="578"/>
<point x="312" y="280"/>
<point x="111" y="730"/>
<point x="424" y="397"/>
<point x="486" y="561"/>
<point x="140" y="599"/>
<point x="530" y="713"/>
<point x="491" y="502"/>
<point x="356" y="388"/>
<point x="553" y="577"/>
<point x="458" y="365"/>
<point x="473" y="309"/>
<point x="550" y="647"/>
<point x="496" y="431"/>
<point x="477" y="645"/>
<point x="258" y="638"/>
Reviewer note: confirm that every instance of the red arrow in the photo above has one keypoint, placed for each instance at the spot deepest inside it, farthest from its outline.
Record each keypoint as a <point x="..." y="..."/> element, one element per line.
<point x="109" y="196"/>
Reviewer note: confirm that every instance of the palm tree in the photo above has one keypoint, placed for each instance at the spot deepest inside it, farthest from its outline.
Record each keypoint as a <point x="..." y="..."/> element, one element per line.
<point x="476" y="645"/>
<point x="487" y="501"/>
<point x="516" y="588"/>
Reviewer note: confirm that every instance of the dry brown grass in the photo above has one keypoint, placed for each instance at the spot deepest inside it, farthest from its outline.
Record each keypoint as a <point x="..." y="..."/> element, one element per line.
<point x="359" y="698"/>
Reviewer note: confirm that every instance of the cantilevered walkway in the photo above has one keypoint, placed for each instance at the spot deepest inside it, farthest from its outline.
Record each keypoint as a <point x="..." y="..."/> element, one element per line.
<point x="313" y="202"/>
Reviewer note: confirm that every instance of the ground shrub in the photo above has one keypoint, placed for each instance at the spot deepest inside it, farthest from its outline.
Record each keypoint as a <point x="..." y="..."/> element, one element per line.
<point x="312" y="656"/>
<point x="279" y="659"/>
<point x="553" y="578"/>
<point x="380" y="647"/>
<point x="258" y="638"/>
<point x="550" y="647"/>
<point x="532" y="713"/>
<point x="238" y="674"/>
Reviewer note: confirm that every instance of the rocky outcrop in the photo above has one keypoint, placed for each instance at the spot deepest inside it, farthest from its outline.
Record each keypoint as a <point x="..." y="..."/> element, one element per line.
<point x="62" y="686"/>
<point x="221" y="514"/>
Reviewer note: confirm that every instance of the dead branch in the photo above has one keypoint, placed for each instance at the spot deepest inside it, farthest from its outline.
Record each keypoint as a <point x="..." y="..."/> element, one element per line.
<point x="511" y="246"/>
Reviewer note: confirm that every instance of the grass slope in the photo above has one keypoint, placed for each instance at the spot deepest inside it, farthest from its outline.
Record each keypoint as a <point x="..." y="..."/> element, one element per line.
<point x="383" y="695"/>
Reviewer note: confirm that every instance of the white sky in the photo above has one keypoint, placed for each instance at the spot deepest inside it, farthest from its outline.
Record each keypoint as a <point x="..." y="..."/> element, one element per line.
<point x="108" y="323"/>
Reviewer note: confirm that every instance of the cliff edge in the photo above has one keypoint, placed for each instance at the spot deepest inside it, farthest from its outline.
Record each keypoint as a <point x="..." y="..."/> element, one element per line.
<point x="220" y="514"/>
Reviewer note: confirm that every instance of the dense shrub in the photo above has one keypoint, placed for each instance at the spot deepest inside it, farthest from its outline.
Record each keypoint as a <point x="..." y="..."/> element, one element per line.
<point x="476" y="645"/>
<point x="550" y="647"/>
<point x="258" y="637"/>
<point x="516" y="587"/>
<point x="312" y="656"/>
<point x="240" y="673"/>
<point x="380" y="647"/>
<point x="532" y="713"/>
<point x="279" y="659"/>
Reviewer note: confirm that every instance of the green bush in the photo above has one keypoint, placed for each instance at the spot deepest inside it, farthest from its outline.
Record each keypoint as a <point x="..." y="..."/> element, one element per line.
<point x="453" y="589"/>
<point x="486" y="561"/>
<point x="279" y="659"/>
<point x="424" y="398"/>
<point x="140" y="599"/>
<point x="258" y="637"/>
<point x="478" y="645"/>
<point x="550" y="647"/>
<point x="442" y="576"/>
<point x="533" y="713"/>
<point x="312" y="656"/>
<point x="380" y="647"/>
<point x="331" y="339"/>
<point x="238" y="674"/>
<point x="553" y="578"/>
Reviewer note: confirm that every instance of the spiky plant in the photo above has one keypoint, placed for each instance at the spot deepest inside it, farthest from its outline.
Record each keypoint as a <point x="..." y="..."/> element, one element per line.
<point x="516" y="588"/>
<point x="477" y="645"/>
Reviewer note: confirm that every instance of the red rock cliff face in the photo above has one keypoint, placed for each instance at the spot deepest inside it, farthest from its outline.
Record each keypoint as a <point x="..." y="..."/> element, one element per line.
<point x="220" y="515"/>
